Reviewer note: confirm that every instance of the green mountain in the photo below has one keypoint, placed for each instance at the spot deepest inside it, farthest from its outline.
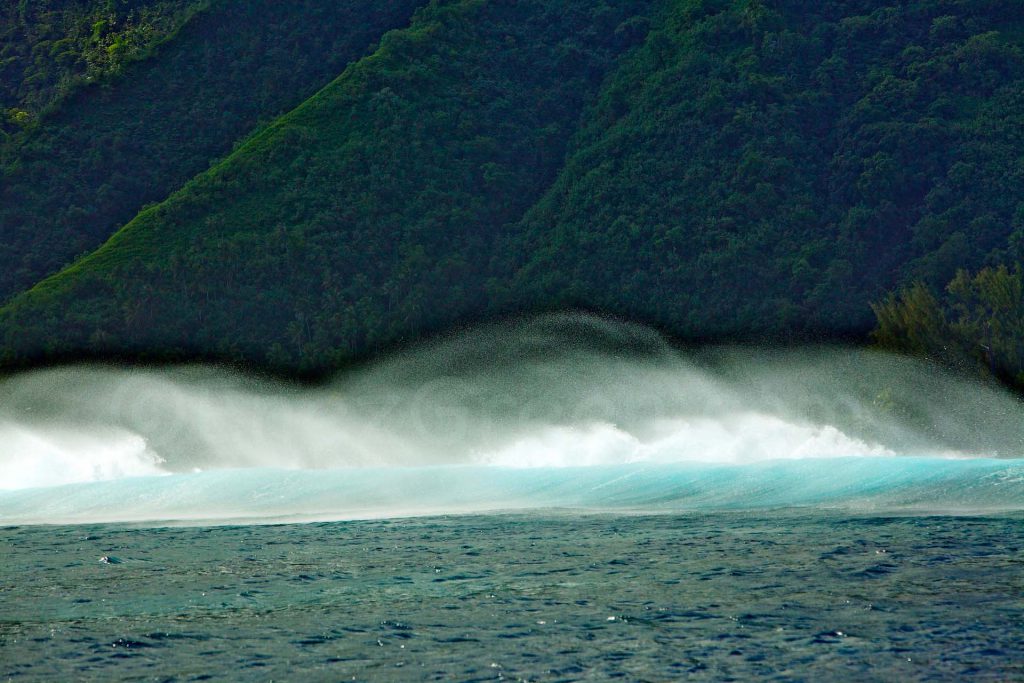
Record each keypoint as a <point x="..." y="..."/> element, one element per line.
<point x="720" y="168"/>
<point x="367" y="214"/>
<point x="48" y="48"/>
<point x="770" y="169"/>
<point x="91" y="163"/>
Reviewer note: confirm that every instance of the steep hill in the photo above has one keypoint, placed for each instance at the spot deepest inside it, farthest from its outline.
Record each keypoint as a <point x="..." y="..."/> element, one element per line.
<point x="108" y="149"/>
<point x="50" y="47"/>
<point x="721" y="168"/>
<point x="769" y="169"/>
<point x="367" y="215"/>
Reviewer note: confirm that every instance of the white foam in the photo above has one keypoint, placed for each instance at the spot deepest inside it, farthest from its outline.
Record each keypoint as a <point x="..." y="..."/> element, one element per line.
<point x="36" y="457"/>
<point x="549" y="393"/>
<point x="744" y="438"/>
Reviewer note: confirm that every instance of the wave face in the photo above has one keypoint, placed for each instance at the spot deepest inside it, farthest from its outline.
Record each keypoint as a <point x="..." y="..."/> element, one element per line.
<point x="558" y="411"/>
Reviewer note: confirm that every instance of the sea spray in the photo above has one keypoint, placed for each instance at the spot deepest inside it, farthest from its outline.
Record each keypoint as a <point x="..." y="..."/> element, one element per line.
<point x="550" y="393"/>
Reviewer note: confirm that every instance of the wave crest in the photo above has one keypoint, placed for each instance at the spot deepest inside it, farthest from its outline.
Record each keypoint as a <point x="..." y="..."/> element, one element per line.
<point x="553" y="392"/>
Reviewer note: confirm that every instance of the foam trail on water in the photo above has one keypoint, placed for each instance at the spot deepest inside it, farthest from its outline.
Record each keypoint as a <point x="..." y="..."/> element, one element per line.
<point x="499" y="409"/>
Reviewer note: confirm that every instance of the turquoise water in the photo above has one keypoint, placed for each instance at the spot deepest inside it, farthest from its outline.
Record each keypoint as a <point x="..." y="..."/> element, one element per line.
<point x="902" y="485"/>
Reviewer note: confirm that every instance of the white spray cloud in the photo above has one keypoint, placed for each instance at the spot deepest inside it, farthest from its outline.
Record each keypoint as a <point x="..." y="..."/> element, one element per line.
<point x="560" y="391"/>
<point x="55" y="456"/>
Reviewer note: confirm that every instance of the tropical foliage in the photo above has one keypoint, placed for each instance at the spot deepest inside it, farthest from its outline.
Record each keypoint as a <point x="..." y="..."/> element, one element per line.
<point x="365" y="216"/>
<point x="768" y="169"/>
<point x="976" y="325"/>
<point x="50" y="47"/>
<point x="93" y="162"/>
<point x="756" y="169"/>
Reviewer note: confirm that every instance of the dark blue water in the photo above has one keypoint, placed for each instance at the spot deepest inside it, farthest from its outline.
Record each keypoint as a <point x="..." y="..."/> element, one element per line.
<point x="544" y="596"/>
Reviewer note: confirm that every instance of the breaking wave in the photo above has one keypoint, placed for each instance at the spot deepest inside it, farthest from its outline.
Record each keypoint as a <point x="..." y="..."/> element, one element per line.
<point x="558" y="411"/>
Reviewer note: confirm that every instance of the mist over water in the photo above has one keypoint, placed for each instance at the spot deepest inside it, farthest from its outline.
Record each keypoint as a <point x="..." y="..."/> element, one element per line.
<point x="555" y="411"/>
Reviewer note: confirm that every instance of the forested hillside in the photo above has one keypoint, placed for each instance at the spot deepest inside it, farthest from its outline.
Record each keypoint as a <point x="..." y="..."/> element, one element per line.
<point x="50" y="47"/>
<point x="975" y="324"/>
<point x="87" y="167"/>
<point x="770" y="169"/>
<point x="721" y="168"/>
<point x="366" y="215"/>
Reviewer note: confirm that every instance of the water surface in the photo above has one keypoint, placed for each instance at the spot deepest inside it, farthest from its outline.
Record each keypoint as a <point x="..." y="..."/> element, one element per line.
<point x="545" y="596"/>
<point x="563" y="498"/>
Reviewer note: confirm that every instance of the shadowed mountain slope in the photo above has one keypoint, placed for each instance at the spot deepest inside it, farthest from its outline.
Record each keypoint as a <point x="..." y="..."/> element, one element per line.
<point x="108" y="149"/>
<point x="50" y="47"/>
<point x="752" y="169"/>
<point x="367" y="215"/>
<point x="768" y="169"/>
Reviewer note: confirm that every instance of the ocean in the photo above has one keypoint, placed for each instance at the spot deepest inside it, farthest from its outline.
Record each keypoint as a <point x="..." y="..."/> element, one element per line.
<point x="547" y="596"/>
<point x="557" y="499"/>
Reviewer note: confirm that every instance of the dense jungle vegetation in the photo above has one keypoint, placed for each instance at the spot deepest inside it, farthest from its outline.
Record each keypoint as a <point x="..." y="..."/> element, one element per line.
<point x="94" y="161"/>
<point x="975" y="324"/>
<point x="771" y="168"/>
<point x="740" y="169"/>
<point x="50" y="47"/>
